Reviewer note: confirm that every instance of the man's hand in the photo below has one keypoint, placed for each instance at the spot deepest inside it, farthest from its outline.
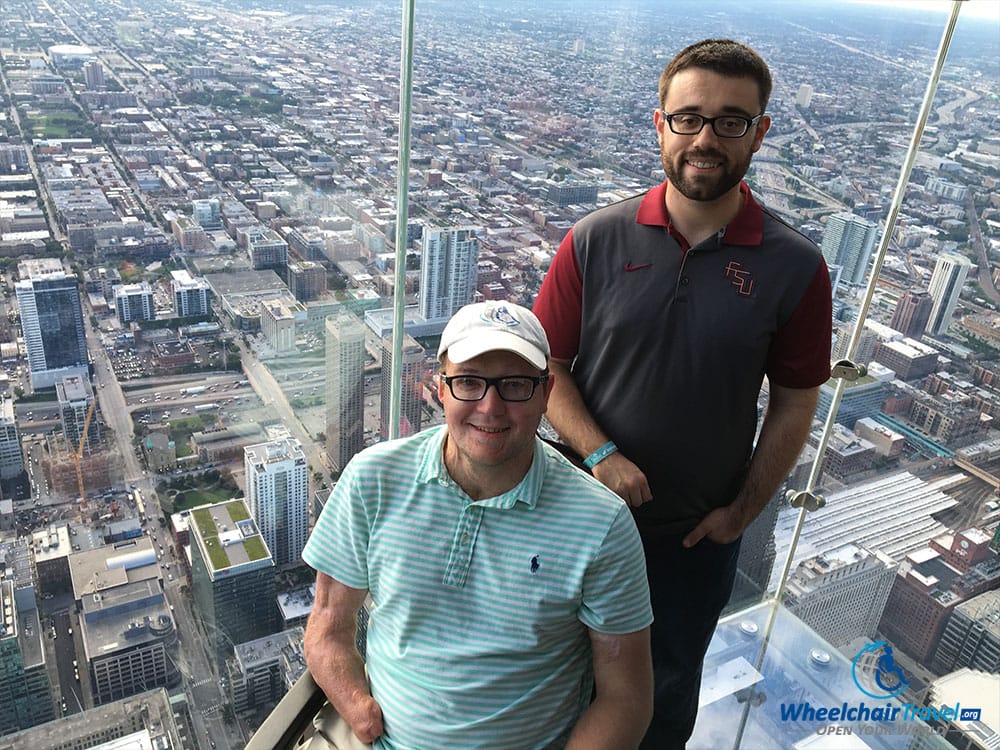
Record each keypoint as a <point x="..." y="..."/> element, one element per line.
<point x="622" y="476"/>
<point x="364" y="715"/>
<point x="784" y="431"/>
<point x="722" y="526"/>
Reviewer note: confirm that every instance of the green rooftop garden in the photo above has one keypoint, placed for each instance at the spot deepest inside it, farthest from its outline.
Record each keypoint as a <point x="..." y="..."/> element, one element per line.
<point x="237" y="512"/>
<point x="255" y="548"/>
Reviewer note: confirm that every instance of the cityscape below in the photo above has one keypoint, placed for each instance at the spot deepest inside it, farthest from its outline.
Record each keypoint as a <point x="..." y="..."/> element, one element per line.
<point x="200" y="278"/>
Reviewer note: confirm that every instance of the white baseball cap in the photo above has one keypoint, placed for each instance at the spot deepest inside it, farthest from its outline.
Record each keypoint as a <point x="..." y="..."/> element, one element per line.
<point x="495" y="326"/>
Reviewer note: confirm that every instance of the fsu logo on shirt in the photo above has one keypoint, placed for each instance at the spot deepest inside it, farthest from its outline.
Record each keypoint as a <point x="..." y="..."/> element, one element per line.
<point x="741" y="279"/>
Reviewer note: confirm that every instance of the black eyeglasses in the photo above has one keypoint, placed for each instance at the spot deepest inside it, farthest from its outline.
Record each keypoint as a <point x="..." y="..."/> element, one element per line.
<point x="509" y="387"/>
<point x="725" y="126"/>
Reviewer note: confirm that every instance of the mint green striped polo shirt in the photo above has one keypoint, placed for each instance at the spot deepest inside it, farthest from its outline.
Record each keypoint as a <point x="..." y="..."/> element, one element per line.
<point x="479" y="634"/>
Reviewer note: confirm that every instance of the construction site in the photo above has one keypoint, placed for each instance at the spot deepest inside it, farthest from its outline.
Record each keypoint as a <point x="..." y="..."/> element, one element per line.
<point x="79" y="466"/>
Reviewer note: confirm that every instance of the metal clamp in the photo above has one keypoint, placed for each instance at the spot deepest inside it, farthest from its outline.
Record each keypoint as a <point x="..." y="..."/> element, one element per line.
<point x="848" y="370"/>
<point x="803" y="499"/>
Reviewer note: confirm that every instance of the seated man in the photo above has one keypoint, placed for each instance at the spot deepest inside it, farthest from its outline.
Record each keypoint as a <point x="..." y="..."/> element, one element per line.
<point x="511" y="608"/>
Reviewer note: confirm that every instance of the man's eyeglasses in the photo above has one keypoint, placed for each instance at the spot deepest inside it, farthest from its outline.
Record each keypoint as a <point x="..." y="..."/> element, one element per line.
<point x="725" y="126"/>
<point x="510" y="387"/>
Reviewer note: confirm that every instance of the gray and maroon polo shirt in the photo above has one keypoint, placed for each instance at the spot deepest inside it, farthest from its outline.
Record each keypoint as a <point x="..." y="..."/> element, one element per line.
<point x="670" y="344"/>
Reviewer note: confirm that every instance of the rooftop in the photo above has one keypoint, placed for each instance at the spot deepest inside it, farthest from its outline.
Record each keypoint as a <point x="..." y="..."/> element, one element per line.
<point x="228" y="537"/>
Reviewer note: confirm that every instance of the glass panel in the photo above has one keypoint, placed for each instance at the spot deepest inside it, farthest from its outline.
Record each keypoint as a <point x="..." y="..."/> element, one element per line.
<point x="777" y="684"/>
<point x="525" y="117"/>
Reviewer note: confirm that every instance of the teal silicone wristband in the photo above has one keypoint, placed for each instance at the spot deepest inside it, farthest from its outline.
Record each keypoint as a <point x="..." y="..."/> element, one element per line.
<point x="599" y="455"/>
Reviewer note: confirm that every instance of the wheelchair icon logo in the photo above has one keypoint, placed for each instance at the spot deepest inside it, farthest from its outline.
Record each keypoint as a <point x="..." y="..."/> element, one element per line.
<point x="876" y="673"/>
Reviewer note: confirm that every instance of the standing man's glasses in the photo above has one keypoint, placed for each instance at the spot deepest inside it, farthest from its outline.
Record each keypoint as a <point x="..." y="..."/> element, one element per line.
<point x="725" y="126"/>
<point x="510" y="388"/>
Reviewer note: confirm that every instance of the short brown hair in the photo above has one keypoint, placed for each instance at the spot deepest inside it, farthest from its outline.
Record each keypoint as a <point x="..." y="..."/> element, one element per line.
<point x="725" y="57"/>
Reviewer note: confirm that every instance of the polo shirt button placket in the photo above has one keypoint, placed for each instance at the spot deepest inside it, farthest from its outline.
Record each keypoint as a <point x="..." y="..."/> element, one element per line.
<point x="460" y="558"/>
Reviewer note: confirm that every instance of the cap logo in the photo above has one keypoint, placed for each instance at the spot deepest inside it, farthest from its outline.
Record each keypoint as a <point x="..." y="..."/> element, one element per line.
<point x="499" y="316"/>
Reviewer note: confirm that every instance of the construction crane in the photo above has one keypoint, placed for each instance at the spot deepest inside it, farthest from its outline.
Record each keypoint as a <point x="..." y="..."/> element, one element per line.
<point x="79" y="455"/>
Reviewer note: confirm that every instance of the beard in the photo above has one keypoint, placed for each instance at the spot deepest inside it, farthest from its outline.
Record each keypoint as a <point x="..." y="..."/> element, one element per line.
<point x="704" y="188"/>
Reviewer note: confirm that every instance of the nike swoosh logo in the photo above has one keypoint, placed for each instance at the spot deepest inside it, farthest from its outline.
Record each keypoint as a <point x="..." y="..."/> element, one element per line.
<point x="630" y="267"/>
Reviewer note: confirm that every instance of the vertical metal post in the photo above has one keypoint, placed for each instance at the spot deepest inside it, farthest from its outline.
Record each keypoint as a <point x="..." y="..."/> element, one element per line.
<point x="890" y="225"/>
<point x="402" y="208"/>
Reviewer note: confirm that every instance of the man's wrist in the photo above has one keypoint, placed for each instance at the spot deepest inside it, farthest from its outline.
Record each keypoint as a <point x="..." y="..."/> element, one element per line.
<point x="600" y="454"/>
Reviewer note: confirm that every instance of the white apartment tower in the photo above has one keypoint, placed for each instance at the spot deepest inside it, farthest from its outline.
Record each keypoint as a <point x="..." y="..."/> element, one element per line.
<point x="192" y="297"/>
<point x="949" y="275"/>
<point x="841" y="593"/>
<point x="345" y="387"/>
<point x="51" y="321"/>
<point x="134" y="302"/>
<point x="848" y="241"/>
<point x="448" y="262"/>
<point x="803" y="97"/>
<point x="277" y="479"/>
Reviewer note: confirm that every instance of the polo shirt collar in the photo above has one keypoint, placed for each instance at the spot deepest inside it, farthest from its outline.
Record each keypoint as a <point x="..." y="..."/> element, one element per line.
<point x="746" y="229"/>
<point x="431" y="470"/>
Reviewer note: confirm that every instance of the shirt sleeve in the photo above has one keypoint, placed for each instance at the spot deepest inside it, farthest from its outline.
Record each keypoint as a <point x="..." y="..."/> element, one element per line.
<point x="800" y="353"/>
<point x="560" y="300"/>
<point x="338" y="545"/>
<point x="615" y="588"/>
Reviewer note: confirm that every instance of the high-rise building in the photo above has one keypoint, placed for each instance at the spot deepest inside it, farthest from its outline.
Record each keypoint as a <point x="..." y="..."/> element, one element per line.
<point x="345" y="387"/>
<point x="841" y="593"/>
<point x="128" y="634"/>
<point x="93" y="75"/>
<point x="756" y="559"/>
<point x="51" y="321"/>
<point x="266" y="249"/>
<point x="848" y="241"/>
<point x="803" y="97"/>
<point x="262" y="671"/>
<point x="11" y="458"/>
<point x="447" y="270"/>
<point x="278" y="318"/>
<point x="232" y="577"/>
<point x="930" y="583"/>
<point x="306" y="280"/>
<point x="75" y="396"/>
<point x="277" y="480"/>
<point x="949" y="275"/>
<point x="134" y="302"/>
<point x="913" y="311"/>
<point x="972" y="636"/>
<point x="411" y="375"/>
<point x="25" y="698"/>
<point x="192" y="297"/>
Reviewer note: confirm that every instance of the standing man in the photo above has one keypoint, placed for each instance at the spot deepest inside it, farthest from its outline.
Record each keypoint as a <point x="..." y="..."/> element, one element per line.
<point x="664" y="312"/>
<point x="509" y="587"/>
